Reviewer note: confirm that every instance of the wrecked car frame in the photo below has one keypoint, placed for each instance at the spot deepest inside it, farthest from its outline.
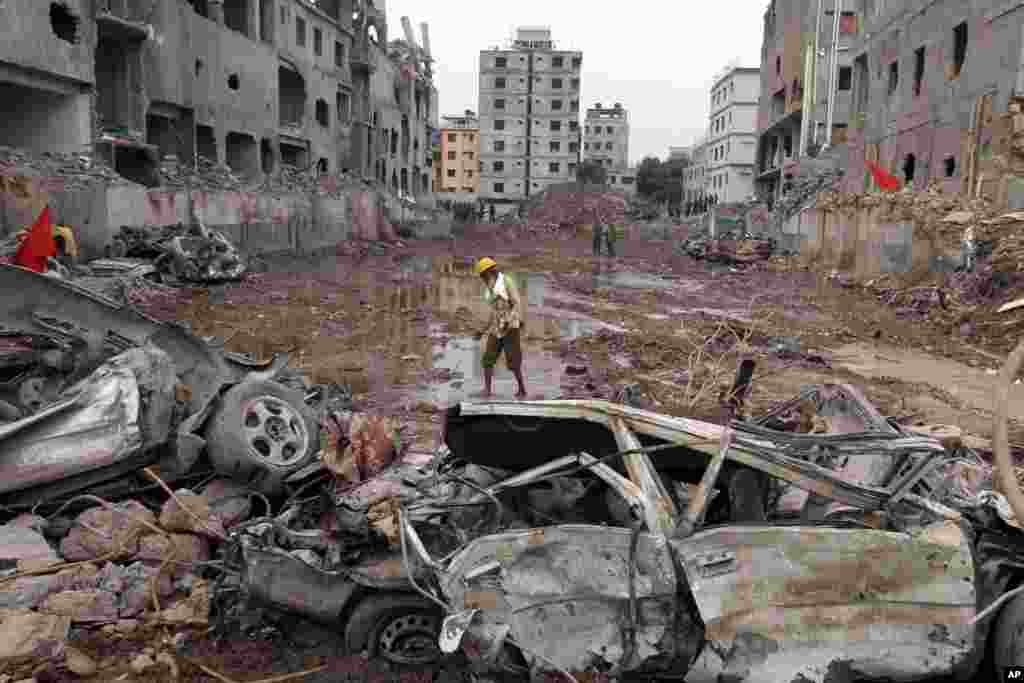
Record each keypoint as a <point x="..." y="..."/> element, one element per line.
<point x="91" y="329"/>
<point x="879" y="580"/>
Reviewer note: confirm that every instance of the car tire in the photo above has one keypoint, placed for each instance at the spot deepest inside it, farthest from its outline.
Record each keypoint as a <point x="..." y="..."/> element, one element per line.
<point x="399" y="629"/>
<point x="1008" y="635"/>
<point x="261" y="433"/>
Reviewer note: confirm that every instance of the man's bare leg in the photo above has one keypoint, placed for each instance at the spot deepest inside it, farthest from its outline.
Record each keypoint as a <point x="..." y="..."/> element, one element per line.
<point x="488" y="378"/>
<point x="518" y="372"/>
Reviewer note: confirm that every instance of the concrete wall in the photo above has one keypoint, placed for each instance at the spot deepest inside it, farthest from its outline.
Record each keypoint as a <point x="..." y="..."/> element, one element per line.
<point x="258" y="223"/>
<point x="28" y="39"/>
<point x="864" y="243"/>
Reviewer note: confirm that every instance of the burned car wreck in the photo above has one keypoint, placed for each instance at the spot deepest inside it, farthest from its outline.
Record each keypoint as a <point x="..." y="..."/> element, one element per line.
<point x="572" y="537"/>
<point x="91" y="390"/>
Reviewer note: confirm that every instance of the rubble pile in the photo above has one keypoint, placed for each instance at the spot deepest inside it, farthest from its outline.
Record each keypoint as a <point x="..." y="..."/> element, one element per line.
<point x="64" y="171"/>
<point x="207" y="175"/>
<point x="810" y="180"/>
<point x="567" y="209"/>
<point x="187" y="253"/>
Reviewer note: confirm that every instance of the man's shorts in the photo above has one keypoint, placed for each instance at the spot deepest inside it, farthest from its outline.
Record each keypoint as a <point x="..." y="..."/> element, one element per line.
<point x="510" y="345"/>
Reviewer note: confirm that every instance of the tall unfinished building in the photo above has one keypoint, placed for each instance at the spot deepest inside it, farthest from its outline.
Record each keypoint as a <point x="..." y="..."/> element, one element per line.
<point x="251" y="85"/>
<point x="529" y="117"/>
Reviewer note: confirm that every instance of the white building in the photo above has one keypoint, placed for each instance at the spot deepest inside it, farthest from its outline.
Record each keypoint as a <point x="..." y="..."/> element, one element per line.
<point x="731" y="152"/>
<point x="529" y="117"/>
<point x="695" y="175"/>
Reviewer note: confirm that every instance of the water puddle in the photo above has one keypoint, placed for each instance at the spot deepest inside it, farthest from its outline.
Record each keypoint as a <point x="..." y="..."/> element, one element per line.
<point x="457" y="363"/>
<point x="632" y="280"/>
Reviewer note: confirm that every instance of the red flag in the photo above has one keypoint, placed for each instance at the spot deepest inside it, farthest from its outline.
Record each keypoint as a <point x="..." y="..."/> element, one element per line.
<point x="38" y="245"/>
<point x="885" y="180"/>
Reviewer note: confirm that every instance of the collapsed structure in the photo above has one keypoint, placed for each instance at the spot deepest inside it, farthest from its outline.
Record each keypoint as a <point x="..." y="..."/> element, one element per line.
<point x="258" y="95"/>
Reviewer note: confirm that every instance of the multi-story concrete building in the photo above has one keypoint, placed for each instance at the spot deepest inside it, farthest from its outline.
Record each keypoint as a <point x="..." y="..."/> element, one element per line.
<point x="606" y="136"/>
<point x="802" y="78"/>
<point x="695" y="177"/>
<point x="529" y="117"/>
<point x="250" y="84"/>
<point x="926" y="76"/>
<point x="732" y="134"/>
<point x="459" y="163"/>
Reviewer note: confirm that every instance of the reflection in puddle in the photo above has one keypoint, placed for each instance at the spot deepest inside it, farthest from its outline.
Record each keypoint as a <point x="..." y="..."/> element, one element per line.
<point x="460" y="359"/>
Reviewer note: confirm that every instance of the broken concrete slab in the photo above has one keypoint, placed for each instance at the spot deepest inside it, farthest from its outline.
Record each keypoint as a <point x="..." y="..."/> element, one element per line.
<point x="196" y="517"/>
<point x="82" y="605"/>
<point x="24" y="548"/>
<point x="31" y="635"/>
<point x="108" y="533"/>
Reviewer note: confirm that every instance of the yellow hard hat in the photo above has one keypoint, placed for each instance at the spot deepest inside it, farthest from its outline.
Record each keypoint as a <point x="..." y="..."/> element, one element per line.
<point x="483" y="265"/>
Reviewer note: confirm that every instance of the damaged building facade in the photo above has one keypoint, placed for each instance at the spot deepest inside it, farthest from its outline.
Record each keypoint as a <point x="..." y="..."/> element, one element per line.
<point x="929" y="81"/>
<point x="253" y="86"/>
<point x="529" y="117"/>
<point x="806" y="89"/>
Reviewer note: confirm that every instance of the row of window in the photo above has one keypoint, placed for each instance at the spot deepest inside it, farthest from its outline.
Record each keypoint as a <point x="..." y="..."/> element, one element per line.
<point x="719" y="96"/>
<point x="556" y="105"/>
<point x="720" y="152"/>
<point x="553" y="146"/>
<point x="556" y="125"/>
<point x="451" y="173"/>
<point x="318" y="39"/>
<point x="720" y="123"/>
<point x="500" y="83"/>
<point x="557" y="62"/>
<point x="499" y="188"/>
<point x="452" y="155"/>
<point x="596" y="130"/>
<point x="453" y="137"/>
<point x="597" y="145"/>
<point x="693" y="173"/>
<point x="553" y="167"/>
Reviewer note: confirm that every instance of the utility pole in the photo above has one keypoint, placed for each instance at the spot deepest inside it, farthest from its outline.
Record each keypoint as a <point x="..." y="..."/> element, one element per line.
<point x="833" y="73"/>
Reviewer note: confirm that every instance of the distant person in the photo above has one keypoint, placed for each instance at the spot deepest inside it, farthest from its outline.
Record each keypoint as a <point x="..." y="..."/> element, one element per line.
<point x="503" y="333"/>
<point x="599" y="236"/>
<point x="492" y="213"/>
<point x="612" y="235"/>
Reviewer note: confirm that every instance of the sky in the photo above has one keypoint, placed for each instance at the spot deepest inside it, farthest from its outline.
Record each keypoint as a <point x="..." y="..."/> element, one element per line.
<point x="657" y="57"/>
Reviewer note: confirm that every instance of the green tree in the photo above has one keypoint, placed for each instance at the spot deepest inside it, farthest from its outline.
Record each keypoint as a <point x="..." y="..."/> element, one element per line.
<point x="592" y="172"/>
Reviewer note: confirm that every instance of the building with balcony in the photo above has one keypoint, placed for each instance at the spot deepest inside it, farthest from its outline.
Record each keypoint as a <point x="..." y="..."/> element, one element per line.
<point x="732" y="134"/>
<point x="250" y="85"/>
<point x="459" y="163"/>
<point x="606" y="136"/>
<point x="529" y="117"/>
<point x="800" y="82"/>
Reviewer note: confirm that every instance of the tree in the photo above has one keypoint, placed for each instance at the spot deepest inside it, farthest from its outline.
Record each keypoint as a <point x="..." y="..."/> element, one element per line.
<point x="662" y="181"/>
<point x="649" y="177"/>
<point x="592" y="172"/>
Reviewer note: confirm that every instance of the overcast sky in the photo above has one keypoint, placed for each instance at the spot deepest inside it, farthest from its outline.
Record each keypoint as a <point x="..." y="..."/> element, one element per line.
<point x="657" y="57"/>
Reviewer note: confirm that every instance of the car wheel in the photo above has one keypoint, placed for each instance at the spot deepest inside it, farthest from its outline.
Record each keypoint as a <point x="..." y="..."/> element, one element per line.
<point x="1008" y="635"/>
<point x="262" y="432"/>
<point x="402" y="630"/>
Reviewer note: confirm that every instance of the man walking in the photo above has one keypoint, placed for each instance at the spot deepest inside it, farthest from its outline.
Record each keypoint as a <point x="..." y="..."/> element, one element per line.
<point x="599" y="236"/>
<point x="503" y="333"/>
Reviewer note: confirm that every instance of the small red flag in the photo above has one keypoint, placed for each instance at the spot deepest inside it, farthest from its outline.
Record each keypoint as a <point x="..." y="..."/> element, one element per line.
<point x="885" y="180"/>
<point x="38" y="245"/>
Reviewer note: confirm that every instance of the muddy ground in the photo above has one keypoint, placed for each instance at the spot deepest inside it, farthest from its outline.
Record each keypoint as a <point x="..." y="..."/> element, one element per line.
<point x="399" y="329"/>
